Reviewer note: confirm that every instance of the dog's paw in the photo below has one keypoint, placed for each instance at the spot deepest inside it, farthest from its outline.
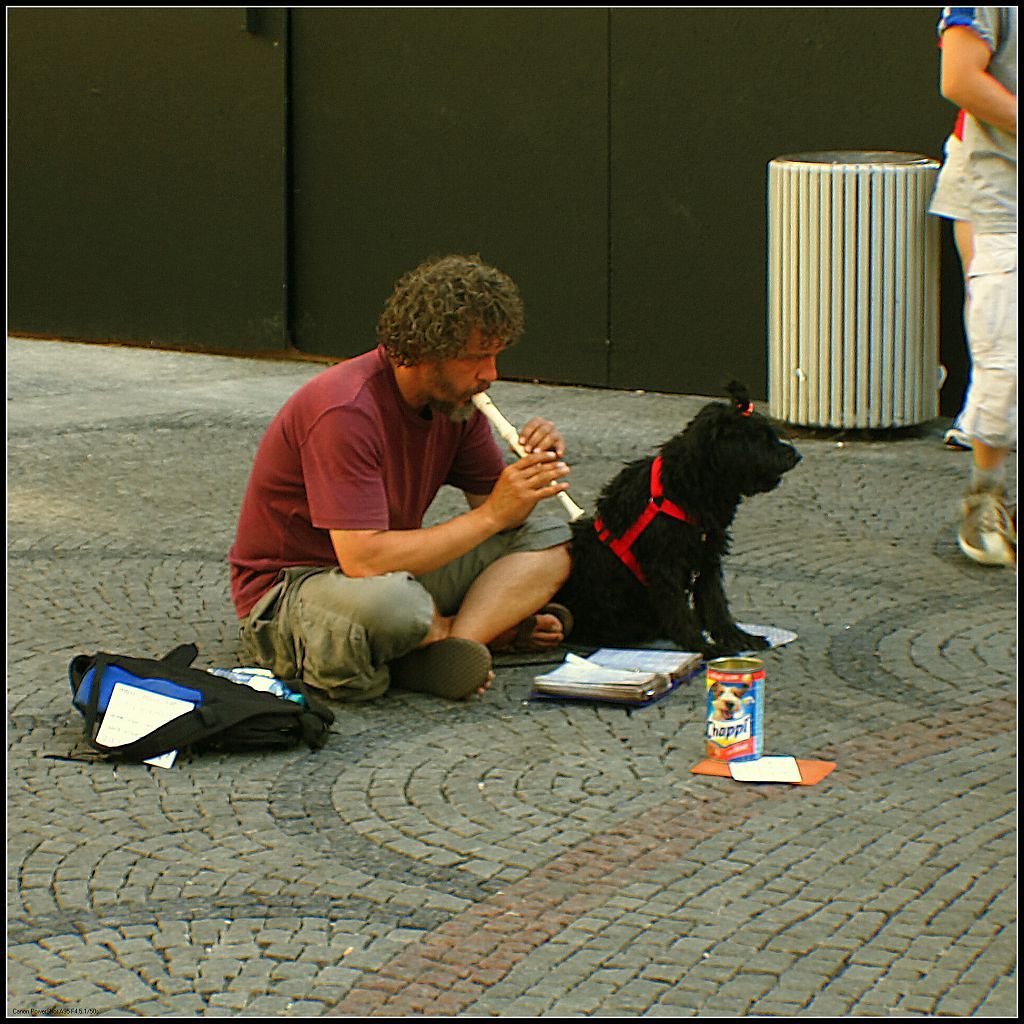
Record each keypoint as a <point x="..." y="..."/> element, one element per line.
<point x="754" y="642"/>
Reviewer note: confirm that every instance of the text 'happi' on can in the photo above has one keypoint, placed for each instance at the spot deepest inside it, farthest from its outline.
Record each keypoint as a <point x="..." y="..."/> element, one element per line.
<point x="735" y="721"/>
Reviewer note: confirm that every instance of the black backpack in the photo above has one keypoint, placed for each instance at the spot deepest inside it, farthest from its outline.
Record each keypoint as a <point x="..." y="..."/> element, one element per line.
<point x="213" y="713"/>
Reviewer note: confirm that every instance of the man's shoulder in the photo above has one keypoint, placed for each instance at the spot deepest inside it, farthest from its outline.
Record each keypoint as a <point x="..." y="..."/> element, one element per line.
<point x="994" y="25"/>
<point x="352" y="392"/>
<point x="348" y="383"/>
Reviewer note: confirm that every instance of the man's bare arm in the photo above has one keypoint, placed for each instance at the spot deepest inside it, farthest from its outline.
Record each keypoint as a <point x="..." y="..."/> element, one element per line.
<point x="520" y="487"/>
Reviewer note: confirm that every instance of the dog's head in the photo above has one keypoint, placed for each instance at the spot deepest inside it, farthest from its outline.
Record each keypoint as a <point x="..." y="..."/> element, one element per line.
<point x="740" y="446"/>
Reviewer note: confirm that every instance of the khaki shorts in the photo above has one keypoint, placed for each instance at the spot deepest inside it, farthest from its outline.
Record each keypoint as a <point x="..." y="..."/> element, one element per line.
<point x="339" y="634"/>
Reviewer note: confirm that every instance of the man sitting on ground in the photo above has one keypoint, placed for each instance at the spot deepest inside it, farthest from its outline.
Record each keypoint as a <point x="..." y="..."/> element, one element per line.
<point x="333" y="574"/>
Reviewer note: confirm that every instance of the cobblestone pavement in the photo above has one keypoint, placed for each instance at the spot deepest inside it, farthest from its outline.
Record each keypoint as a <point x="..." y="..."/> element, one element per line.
<point x="502" y="857"/>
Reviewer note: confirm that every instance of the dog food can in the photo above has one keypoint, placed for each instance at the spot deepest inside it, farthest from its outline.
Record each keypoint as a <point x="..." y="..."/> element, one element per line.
<point x="735" y="721"/>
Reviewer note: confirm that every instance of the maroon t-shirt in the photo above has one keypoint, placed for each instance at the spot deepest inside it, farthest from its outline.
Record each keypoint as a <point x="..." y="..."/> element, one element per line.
<point x="347" y="453"/>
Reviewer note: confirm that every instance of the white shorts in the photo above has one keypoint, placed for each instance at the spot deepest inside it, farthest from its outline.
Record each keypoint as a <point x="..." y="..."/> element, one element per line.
<point x="990" y="413"/>
<point x="949" y="197"/>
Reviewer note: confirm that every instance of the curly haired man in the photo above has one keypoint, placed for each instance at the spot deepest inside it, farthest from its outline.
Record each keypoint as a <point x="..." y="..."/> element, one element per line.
<point x="334" y="576"/>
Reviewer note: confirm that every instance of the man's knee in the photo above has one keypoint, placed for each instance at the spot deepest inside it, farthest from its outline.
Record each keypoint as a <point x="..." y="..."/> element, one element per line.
<point x="393" y="611"/>
<point x="559" y="561"/>
<point x="547" y="564"/>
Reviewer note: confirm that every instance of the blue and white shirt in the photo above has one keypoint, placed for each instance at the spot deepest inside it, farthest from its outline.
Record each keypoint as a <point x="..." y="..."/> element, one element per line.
<point x="989" y="153"/>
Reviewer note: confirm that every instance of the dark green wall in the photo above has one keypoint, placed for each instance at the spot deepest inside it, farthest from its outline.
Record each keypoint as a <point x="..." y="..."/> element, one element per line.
<point x="146" y="176"/>
<point x="177" y="179"/>
<point x="701" y="101"/>
<point x="421" y="132"/>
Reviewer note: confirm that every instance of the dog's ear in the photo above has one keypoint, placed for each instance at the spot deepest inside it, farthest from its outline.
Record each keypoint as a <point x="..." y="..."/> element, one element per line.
<point x="740" y="397"/>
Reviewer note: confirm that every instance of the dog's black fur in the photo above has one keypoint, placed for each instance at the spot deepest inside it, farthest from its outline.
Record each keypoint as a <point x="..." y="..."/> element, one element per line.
<point x="720" y="458"/>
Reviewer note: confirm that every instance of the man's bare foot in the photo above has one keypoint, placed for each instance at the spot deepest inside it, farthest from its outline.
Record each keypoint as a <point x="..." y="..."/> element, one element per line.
<point x="483" y="689"/>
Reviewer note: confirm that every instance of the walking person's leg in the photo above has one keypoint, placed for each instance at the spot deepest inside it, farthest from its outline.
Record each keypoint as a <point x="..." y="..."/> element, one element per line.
<point x="987" y="530"/>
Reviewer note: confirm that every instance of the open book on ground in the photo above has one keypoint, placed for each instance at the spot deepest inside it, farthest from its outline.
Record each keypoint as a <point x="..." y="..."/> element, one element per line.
<point x="618" y="675"/>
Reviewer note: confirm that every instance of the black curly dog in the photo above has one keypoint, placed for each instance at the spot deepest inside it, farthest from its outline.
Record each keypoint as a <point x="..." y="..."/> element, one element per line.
<point x="649" y="566"/>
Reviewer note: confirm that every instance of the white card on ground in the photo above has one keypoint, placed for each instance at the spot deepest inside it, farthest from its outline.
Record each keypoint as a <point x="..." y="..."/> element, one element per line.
<point x="766" y="769"/>
<point x="773" y="634"/>
<point x="133" y="713"/>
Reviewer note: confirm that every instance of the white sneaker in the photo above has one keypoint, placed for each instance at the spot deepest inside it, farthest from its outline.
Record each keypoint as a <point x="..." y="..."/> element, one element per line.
<point x="988" y="533"/>
<point x="957" y="440"/>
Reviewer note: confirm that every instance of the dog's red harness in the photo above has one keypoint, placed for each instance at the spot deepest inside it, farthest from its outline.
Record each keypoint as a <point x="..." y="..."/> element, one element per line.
<point x="658" y="503"/>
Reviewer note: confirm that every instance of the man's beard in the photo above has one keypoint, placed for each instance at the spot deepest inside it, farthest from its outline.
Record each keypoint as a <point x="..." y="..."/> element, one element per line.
<point x="457" y="412"/>
<point x="449" y="400"/>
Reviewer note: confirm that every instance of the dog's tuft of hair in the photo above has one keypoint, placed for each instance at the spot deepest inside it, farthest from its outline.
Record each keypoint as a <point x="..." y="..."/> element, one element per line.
<point x="739" y="394"/>
<point x="727" y="452"/>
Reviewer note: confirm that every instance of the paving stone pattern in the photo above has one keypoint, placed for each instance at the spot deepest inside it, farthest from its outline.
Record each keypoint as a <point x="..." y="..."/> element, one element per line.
<point x="503" y="857"/>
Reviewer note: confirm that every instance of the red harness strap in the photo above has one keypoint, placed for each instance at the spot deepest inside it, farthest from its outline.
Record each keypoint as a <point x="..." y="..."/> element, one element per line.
<point x="621" y="546"/>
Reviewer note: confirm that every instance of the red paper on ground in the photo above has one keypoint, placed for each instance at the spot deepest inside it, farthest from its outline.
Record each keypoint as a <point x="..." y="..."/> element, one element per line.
<point x="811" y="772"/>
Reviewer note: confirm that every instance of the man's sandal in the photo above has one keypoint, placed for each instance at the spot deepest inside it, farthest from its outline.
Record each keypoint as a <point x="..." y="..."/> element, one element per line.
<point x="454" y="668"/>
<point x="522" y="641"/>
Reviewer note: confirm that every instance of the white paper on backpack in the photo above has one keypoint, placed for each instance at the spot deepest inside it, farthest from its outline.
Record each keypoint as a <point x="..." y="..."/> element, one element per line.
<point x="133" y="713"/>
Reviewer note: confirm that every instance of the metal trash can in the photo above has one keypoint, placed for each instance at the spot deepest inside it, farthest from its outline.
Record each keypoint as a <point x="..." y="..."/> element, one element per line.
<point x="853" y="289"/>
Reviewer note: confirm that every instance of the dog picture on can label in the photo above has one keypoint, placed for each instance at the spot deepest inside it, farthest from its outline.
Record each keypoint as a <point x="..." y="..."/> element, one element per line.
<point x="648" y="565"/>
<point x="730" y="729"/>
<point x="727" y="702"/>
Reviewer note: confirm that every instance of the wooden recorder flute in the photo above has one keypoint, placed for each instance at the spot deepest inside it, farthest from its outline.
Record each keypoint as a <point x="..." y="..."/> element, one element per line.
<point x="510" y="435"/>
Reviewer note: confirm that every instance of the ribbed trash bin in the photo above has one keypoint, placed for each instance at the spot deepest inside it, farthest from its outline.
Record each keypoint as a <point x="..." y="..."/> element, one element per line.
<point x="853" y="289"/>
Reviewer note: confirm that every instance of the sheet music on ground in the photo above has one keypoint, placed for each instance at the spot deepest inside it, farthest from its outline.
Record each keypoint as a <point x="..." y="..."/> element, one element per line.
<point x="620" y="675"/>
